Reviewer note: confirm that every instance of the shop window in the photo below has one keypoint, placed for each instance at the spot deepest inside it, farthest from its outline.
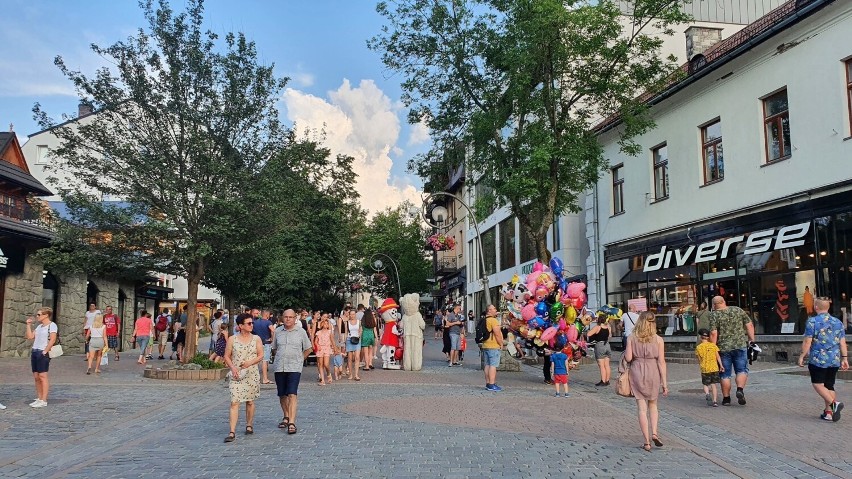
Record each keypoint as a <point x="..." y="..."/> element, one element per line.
<point x="507" y="243"/>
<point x="712" y="153"/>
<point x="620" y="277"/>
<point x="776" y="124"/>
<point x="489" y="248"/>
<point x="849" y="91"/>
<point x="618" y="189"/>
<point x="661" y="172"/>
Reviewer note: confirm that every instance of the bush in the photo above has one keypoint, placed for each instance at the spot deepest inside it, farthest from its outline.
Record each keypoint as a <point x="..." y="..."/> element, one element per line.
<point x="205" y="363"/>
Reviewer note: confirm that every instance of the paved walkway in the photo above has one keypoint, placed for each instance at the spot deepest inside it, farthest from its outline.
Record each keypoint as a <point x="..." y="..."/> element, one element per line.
<point x="438" y="422"/>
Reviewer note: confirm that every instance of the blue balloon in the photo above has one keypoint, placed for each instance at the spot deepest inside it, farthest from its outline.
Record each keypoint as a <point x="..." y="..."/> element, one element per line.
<point x="541" y="308"/>
<point x="539" y="321"/>
<point x="556" y="266"/>
<point x="532" y="324"/>
<point x="563" y="285"/>
<point x="560" y="342"/>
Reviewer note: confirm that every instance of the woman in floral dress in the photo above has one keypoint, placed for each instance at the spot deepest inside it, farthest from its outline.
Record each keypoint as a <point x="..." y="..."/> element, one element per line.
<point x="242" y="355"/>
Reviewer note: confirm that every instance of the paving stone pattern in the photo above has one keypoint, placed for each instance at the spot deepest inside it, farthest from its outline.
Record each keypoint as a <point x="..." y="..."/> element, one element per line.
<point x="437" y="423"/>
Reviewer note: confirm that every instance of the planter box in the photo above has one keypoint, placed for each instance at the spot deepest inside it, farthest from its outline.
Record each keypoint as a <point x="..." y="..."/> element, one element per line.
<point x="186" y="374"/>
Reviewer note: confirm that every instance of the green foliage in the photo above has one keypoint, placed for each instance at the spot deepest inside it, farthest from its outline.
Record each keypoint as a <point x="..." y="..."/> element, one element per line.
<point x="522" y="83"/>
<point x="202" y="359"/>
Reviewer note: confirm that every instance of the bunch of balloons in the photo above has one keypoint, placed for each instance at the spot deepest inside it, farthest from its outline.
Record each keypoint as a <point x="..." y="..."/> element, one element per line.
<point x="547" y="311"/>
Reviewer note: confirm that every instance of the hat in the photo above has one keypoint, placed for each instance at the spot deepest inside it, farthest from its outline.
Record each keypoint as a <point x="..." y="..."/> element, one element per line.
<point x="704" y="332"/>
<point x="753" y="351"/>
<point x="389" y="303"/>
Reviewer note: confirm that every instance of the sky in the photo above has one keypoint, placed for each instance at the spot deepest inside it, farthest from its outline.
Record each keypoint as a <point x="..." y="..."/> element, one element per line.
<point x="337" y="83"/>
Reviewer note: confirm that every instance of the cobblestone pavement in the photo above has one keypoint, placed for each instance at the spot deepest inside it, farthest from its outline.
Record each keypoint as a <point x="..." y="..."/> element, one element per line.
<point x="439" y="422"/>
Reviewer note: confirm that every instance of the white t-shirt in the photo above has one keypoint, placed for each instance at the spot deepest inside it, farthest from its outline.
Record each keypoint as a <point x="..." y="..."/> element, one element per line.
<point x="90" y="318"/>
<point x="42" y="335"/>
<point x="215" y="326"/>
<point x="629" y="320"/>
<point x="97" y="332"/>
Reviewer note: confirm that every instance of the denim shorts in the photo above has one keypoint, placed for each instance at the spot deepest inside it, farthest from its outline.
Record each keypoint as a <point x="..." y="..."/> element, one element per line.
<point x="734" y="361"/>
<point x="492" y="357"/>
<point x="39" y="361"/>
<point x="455" y="342"/>
<point x="143" y="342"/>
<point x="352" y="348"/>
<point x="267" y="351"/>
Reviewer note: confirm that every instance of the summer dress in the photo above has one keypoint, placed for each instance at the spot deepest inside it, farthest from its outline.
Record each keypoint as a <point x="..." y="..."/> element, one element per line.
<point x="644" y="369"/>
<point x="324" y="343"/>
<point x="247" y="388"/>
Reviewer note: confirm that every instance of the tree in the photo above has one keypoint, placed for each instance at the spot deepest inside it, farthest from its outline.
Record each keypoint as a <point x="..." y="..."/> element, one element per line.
<point x="183" y="127"/>
<point x="521" y="83"/>
<point x="394" y="233"/>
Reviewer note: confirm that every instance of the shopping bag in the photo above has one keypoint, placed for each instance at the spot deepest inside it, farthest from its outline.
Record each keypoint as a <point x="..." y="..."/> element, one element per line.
<point x="104" y="360"/>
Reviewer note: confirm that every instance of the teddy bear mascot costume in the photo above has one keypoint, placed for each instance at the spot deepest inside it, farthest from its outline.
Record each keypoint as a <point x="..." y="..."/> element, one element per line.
<point x="412" y="330"/>
<point x="390" y="337"/>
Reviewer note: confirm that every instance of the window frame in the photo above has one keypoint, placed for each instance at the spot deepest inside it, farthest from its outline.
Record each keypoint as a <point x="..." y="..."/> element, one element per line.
<point x="656" y="165"/>
<point x="847" y="66"/>
<point x="617" y="185"/>
<point x="778" y="120"/>
<point x="711" y="143"/>
<point x="41" y="159"/>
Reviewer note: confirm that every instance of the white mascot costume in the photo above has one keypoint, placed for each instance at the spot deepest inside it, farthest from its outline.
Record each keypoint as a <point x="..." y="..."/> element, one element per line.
<point x="412" y="329"/>
<point x="390" y="337"/>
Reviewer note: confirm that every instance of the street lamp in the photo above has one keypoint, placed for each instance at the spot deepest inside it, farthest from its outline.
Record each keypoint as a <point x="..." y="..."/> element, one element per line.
<point x="440" y="213"/>
<point x="379" y="266"/>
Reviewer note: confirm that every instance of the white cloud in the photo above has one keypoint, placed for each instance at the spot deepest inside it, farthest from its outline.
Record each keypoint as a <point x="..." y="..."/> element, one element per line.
<point x="419" y="134"/>
<point x="361" y="122"/>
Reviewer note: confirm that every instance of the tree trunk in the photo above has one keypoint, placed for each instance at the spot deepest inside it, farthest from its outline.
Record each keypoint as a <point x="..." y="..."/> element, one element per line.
<point x="540" y="240"/>
<point x="191" y="345"/>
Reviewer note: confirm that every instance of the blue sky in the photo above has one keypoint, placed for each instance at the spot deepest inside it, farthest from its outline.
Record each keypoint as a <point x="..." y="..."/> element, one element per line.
<point x="321" y="44"/>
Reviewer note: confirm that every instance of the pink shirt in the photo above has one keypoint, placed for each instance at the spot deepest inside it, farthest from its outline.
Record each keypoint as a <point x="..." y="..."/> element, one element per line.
<point x="144" y="325"/>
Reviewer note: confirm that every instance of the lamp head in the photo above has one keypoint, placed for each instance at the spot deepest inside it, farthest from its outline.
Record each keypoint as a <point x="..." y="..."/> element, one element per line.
<point x="378" y="265"/>
<point x="439" y="214"/>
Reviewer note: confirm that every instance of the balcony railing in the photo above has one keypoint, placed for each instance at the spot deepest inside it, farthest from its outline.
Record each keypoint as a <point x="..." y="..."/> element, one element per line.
<point x="17" y="208"/>
<point x="446" y="265"/>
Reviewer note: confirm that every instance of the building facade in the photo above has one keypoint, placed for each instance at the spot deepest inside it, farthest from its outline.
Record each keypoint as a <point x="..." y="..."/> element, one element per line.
<point x="744" y="188"/>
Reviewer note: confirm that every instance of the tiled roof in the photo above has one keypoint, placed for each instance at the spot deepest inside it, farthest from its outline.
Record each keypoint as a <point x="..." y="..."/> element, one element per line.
<point x="717" y="55"/>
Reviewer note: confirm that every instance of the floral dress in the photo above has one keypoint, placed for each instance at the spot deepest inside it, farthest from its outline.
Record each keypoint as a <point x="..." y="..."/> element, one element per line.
<point x="247" y="388"/>
<point x="323" y="338"/>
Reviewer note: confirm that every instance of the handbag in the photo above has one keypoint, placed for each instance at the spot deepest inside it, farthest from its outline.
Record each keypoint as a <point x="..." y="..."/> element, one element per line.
<point x="354" y="340"/>
<point x="56" y="349"/>
<point x="622" y="382"/>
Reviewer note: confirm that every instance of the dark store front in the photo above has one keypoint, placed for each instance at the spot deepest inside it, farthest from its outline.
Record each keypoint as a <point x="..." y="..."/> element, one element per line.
<point x="772" y="264"/>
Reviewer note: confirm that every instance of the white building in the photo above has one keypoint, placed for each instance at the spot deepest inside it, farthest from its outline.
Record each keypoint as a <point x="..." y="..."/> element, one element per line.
<point x="744" y="188"/>
<point x="508" y="252"/>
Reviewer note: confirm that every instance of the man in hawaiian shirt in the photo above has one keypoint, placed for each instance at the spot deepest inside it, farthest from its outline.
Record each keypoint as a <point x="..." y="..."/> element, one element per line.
<point x="825" y="345"/>
<point x="731" y="329"/>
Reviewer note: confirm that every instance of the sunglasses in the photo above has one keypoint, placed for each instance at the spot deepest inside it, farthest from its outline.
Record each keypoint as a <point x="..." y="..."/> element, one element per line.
<point x="248" y="323"/>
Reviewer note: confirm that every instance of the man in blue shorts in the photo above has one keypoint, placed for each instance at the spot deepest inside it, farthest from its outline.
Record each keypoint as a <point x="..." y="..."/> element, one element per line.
<point x="825" y="345"/>
<point x="292" y="346"/>
<point x="263" y="329"/>
<point x="731" y="330"/>
<point x="491" y="349"/>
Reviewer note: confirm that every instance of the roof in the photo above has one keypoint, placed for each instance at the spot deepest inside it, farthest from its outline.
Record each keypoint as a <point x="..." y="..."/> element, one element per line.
<point x="23" y="229"/>
<point x="12" y="174"/>
<point x="762" y="29"/>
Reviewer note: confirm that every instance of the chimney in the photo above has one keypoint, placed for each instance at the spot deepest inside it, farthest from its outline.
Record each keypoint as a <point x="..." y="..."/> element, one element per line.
<point x="84" y="109"/>
<point x="700" y="39"/>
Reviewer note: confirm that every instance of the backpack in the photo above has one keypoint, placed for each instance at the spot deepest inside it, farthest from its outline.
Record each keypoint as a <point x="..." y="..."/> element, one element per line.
<point x="482" y="333"/>
<point x="162" y="323"/>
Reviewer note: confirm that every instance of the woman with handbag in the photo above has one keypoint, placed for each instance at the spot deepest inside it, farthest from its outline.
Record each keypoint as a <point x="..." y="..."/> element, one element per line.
<point x="646" y="356"/>
<point x="43" y="338"/>
<point x="599" y="336"/>
<point x="96" y="337"/>
<point x="353" y="344"/>
<point x="243" y="352"/>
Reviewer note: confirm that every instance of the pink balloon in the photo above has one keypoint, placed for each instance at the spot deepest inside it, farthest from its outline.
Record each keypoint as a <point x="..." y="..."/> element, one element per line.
<point x="528" y="312"/>
<point x="540" y="293"/>
<point x="580" y="301"/>
<point x="548" y="334"/>
<point x="572" y="334"/>
<point x="538" y="267"/>
<point x="562" y="325"/>
<point x="566" y="300"/>
<point x="575" y="289"/>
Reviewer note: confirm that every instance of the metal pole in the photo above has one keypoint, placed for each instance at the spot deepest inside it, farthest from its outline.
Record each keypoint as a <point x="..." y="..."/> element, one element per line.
<point x="395" y="268"/>
<point x="484" y="276"/>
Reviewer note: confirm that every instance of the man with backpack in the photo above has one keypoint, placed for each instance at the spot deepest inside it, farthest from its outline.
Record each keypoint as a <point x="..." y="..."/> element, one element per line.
<point x="161" y="325"/>
<point x="489" y="337"/>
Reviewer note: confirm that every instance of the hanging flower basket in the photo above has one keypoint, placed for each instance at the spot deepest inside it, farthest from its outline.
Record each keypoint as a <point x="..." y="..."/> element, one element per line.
<point x="440" y="242"/>
<point x="380" y="278"/>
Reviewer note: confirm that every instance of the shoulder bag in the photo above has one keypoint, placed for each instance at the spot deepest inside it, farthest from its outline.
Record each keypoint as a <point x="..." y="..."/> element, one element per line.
<point x="56" y="349"/>
<point x="622" y="382"/>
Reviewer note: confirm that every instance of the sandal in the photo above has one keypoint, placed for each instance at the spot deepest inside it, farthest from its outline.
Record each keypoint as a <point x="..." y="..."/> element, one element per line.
<point x="266" y="382"/>
<point x="231" y="437"/>
<point x="284" y="423"/>
<point x="249" y="430"/>
<point x="357" y="379"/>
<point x="646" y="447"/>
<point x="291" y="428"/>
<point x="657" y="441"/>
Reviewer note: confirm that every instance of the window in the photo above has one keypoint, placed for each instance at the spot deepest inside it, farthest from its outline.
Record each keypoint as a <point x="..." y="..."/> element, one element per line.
<point x="557" y="235"/>
<point x="849" y="90"/>
<point x="711" y="144"/>
<point x="776" y="124"/>
<point x="41" y="154"/>
<point x="507" y="243"/>
<point x="617" y="190"/>
<point x="489" y="248"/>
<point x="661" y="172"/>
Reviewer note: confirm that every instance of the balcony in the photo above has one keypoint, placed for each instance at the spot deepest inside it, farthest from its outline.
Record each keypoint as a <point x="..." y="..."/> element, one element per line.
<point x="18" y="210"/>
<point x="446" y="265"/>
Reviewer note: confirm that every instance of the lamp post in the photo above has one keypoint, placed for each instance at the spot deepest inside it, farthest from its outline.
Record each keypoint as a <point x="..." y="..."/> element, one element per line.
<point x="439" y="213"/>
<point x="378" y="266"/>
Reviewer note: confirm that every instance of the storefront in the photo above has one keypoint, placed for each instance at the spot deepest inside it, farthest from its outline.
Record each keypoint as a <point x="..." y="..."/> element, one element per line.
<point x="772" y="264"/>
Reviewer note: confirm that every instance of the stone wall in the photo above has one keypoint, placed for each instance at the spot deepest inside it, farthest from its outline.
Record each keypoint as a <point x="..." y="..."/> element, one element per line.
<point x="72" y="309"/>
<point x="23" y="296"/>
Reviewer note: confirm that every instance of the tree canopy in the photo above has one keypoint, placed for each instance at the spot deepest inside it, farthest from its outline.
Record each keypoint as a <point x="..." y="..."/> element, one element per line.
<point x="521" y="84"/>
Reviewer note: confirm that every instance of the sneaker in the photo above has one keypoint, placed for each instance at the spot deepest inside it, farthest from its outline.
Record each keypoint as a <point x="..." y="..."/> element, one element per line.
<point x="496" y="388"/>
<point x="836" y="407"/>
<point x="599" y="383"/>
<point x="741" y="397"/>
<point x="450" y="365"/>
<point x="161" y="357"/>
<point x="826" y="416"/>
<point x="726" y="401"/>
<point x="566" y="395"/>
<point x="708" y="399"/>
<point x="487" y="387"/>
<point x="38" y="403"/>
<point x="715" y="404"/>
<point x="2" y="407"/>
<point x="556" y="395"/>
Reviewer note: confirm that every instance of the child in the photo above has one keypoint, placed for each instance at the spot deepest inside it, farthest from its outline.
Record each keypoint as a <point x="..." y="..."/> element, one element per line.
<point x="710" y="363"/>
<point x="218" y="354"/>
<point x="325" y="347"/>
<point x="559" y="360"/>
<point x="337" y="362"/>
